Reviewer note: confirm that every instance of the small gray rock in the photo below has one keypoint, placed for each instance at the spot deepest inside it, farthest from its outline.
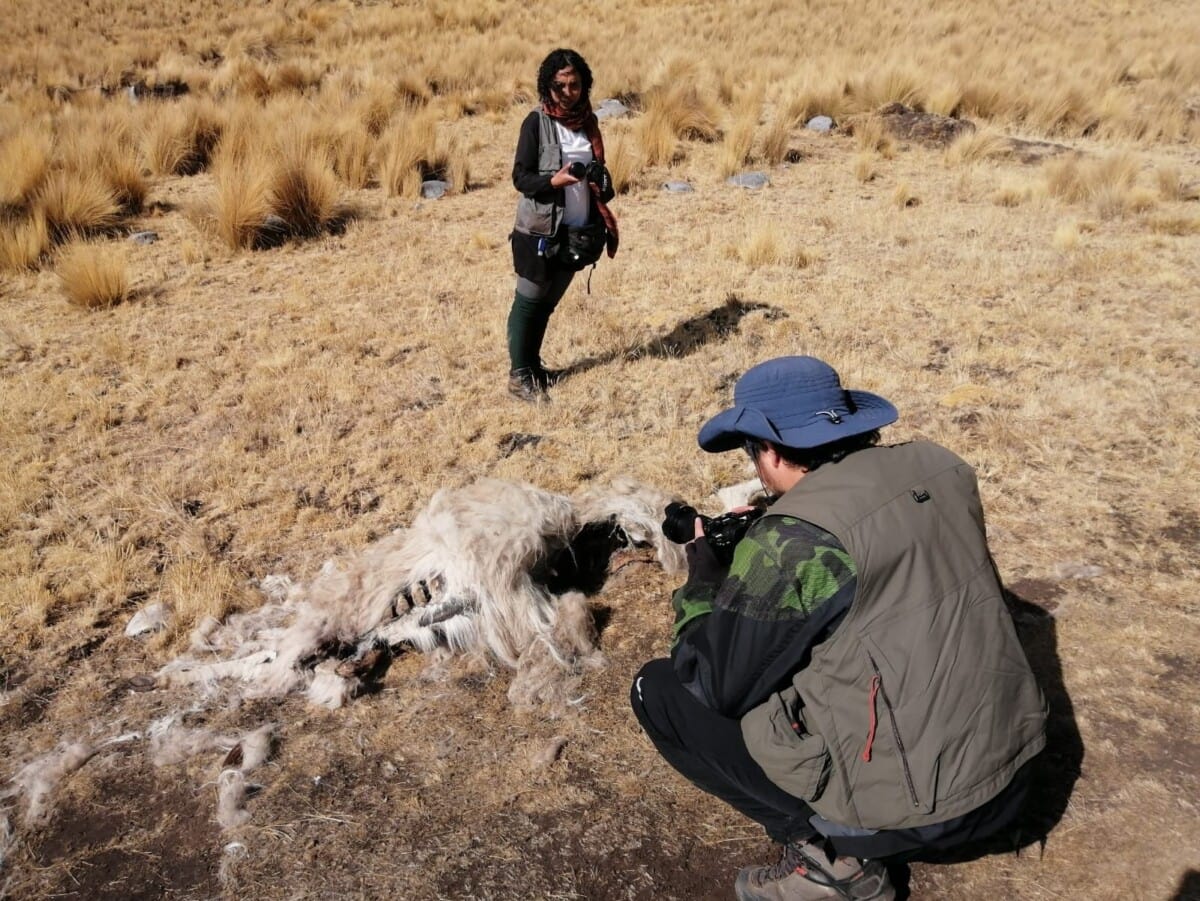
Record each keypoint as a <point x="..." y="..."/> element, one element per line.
<point x="433" y="189"/>
<point x="819" y="123"/>
<point x="678" y="187"/>
<point x="143" y="237"/>
<point x="611" y="109"/>
<point x="751" y="180"/>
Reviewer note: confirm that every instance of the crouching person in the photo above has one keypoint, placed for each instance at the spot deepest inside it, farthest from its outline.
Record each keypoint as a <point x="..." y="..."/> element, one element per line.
<point x="852" y="679"/>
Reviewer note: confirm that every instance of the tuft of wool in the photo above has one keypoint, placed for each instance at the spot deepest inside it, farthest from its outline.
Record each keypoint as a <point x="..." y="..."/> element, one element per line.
<point x="171" y="742"/>
<point x="37" y="780"/>
<point x="328" y="689"/>
<point x="548" y="672"/>
<point x="231" y="855"/>
<point x="257" y="747"/>
<point x="231" y="799"/>
<point x="741" y="494"/>
<point x="8" y="839"/>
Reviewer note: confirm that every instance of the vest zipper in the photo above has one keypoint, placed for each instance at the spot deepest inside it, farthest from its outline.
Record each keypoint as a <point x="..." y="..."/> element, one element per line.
<point x="908" y="780"/>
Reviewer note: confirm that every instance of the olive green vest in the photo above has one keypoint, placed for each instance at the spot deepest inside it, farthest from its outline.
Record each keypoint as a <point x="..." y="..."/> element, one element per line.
<point x="921" y="705"/>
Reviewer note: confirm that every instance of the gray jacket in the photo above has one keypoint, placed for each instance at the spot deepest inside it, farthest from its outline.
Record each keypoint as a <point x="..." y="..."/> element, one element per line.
<point x="921" y="705"/>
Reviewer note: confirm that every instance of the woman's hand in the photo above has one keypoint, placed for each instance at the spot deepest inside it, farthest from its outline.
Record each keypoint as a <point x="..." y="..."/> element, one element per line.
<point x="562" y="178"/>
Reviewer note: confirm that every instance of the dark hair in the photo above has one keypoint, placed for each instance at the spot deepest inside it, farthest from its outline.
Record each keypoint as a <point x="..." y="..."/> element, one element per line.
<point x="557" y="61"/>
<point x="812" y="457"/>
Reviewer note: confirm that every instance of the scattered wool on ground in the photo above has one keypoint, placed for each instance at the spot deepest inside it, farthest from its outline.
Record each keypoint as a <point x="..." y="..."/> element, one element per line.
<point x="231" y="799"/>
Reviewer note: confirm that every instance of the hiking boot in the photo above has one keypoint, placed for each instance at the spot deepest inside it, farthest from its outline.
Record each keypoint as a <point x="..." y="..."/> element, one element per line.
<point x="547" y="378"/>
<point x="805" y="873"/>
<point x="523" y="384"/>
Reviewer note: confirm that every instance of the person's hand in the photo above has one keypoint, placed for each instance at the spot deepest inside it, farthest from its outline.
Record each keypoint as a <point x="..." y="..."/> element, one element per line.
<point x="562" y="178"/>
<point x="698" y="528"/>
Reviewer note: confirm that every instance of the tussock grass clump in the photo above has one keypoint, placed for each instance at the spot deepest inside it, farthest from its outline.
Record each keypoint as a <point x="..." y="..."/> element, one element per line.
<point x="807" y="98"/>
<point x="270" y="195"/>
<point x="674" y="113"/>
<point x="1171" y="185"/>
<point x="93" y="275"/>
<point x="903" y="197"/>
<point x="23" y="242"/>
<point x="944" y="99"/>
<point x="765" y="246"/>
<point x="243" y="201"/>
<point x="78" y="203"/>
<point x="872" y="137"/>
<point x="977" y="145"/>
<point x="412" y="151"/>
<point x="180" y="140"/>
<point x="895" y="84"/>
<point x="24" y="164"/>
<point x="1012" y="193"/>
<point x="351" y="148"/>
<point x="623" y="164"/>
<point x="737" y="146"/>
<point x="1175" y="226"/>
<point x="864" y="167"/>
<point x="1066" y="236"/>
<point x="305" y="194"/>
<point x="1107" y="183"/>
<point x="775" y="141"/>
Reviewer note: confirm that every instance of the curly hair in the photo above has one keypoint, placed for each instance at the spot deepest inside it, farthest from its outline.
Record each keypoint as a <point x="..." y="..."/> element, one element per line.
<point x="557" y="61"/>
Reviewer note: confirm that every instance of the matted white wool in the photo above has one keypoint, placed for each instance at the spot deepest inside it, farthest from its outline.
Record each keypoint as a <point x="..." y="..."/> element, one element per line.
<point x="459" y="578"/>
<point x="231" y="799"/>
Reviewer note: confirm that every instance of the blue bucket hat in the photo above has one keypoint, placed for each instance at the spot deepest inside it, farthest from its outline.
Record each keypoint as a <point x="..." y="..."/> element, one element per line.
<point x="796" y="402"/>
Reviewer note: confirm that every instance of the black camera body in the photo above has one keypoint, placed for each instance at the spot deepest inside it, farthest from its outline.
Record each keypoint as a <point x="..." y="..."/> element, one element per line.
<point x="722" y="532"/>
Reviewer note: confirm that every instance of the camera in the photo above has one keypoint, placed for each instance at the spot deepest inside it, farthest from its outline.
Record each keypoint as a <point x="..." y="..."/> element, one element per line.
<point x="722" y="532"/>
<point x="593" y="171"/>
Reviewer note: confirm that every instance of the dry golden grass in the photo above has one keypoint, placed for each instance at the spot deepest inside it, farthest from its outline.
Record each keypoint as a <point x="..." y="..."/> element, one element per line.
<point x="24" y="241"/>
<point x="305" y="193"/>
<point x="974" y="146"/>
<point x="93" y="275"/>
<point x="676" y="112"/>
<point x="24" y="163"/>
<point x="623" y="164"/>
<point x="242" y="202"/>
<point x="78" y="203"/>
<point x="267" y="411"/>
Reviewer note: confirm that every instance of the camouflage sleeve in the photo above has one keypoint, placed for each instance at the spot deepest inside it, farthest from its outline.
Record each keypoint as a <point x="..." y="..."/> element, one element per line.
<point x="739" y="639"/>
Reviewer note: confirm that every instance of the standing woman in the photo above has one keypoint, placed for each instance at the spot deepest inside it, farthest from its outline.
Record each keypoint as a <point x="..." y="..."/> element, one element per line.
<point x="562" y="218"/>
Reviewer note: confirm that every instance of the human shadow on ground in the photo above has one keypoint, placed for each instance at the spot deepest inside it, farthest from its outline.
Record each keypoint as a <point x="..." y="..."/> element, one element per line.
<point x="684" y="339"/>
<point x="1189" y="887"/>
<point x="1056" y="769"/>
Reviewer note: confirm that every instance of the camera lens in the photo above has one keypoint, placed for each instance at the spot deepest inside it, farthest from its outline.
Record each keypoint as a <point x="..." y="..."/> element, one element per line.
<point x="679" y="525"/>
<point x="577" y="169"/>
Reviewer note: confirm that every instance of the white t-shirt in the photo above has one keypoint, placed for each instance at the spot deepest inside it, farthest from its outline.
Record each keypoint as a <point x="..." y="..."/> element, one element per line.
<point x="576" y="148"/>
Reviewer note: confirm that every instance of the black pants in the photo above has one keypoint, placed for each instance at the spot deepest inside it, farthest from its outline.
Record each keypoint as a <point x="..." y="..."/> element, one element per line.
<point x="708" y="750"/>
<point x="533" y="303"/>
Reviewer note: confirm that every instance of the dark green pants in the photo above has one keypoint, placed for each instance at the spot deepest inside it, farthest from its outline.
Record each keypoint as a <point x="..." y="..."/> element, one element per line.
<point x="533" y="303"/>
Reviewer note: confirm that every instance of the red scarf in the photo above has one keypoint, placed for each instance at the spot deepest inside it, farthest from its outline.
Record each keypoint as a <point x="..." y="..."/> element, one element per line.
<point x="583" y="119"/>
